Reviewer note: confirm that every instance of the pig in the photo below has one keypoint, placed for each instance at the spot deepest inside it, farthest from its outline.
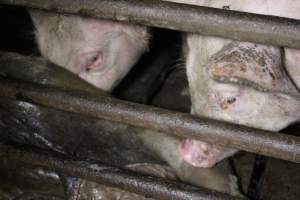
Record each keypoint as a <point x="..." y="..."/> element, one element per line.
<point x="104" y="51"/>
<point x="240" y="82"/>
<point x="99" y="51"/>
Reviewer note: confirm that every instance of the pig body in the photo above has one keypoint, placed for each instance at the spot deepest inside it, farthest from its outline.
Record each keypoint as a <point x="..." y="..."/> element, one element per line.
<point x="241" y="82"/>
<point x="99" y="51"/>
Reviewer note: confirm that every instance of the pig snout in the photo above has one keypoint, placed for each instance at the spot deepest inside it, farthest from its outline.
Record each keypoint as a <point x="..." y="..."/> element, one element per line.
<point x="202" y="154"/>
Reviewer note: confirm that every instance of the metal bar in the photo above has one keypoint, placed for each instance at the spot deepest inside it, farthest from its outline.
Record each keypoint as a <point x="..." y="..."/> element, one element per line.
<point x="155" y="187"/>
<point x="206" y="21"/>
<point x="267" y="143"/>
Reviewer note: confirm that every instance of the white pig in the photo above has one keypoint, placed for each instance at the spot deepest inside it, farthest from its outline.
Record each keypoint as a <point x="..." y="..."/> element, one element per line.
<point x="102" y="52"/>
<point x="240" y="82"/>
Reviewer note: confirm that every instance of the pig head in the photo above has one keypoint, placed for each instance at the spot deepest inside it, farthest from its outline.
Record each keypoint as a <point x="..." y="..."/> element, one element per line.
<point x="240" y="82"/>
<point x="99" y="51"/>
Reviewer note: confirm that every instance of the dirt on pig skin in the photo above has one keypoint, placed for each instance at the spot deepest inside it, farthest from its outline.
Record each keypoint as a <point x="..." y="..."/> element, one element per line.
<point x="99" y="51"/>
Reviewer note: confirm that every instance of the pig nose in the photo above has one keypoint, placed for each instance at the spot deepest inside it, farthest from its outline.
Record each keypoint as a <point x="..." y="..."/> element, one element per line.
<point x="196" y="153"/>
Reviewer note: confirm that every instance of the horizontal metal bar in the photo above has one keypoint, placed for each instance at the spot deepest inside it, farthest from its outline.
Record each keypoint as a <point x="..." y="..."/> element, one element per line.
<point x="155" y="187"/>
<point x="206" y="21"/>
<point x="267" y="143"/>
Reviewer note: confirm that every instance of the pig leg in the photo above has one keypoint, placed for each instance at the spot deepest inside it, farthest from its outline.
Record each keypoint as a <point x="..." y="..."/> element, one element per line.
<point x="244" y="84"/>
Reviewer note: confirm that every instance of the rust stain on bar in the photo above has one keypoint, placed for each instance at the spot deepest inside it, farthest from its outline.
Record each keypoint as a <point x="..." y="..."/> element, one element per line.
<point x="234" y="25"/>
<point x="155" y="187"/>
<point x="258" y="141"/>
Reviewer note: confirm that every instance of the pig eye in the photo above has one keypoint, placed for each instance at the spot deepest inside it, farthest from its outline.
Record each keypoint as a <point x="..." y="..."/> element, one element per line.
<point x="225" y="103"/>
<point x="92" y="60"/>
<point x="231" y="100"/>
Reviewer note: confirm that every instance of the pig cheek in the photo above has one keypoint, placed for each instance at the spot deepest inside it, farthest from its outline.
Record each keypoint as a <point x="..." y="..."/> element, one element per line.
<point x="121" y="56"/>
<point x="127" y="56"/>
<point x="196" y="153"/>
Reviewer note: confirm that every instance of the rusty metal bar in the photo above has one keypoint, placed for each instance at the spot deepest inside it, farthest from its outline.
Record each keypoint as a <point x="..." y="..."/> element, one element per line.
<point x="155" y="187"/>
<point x="206" y="21"/>
<point x="267" y="143"/>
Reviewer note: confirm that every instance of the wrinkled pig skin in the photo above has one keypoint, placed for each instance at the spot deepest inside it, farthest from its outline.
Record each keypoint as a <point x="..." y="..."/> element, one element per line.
<point x="99" y="51"/>
<point x="241" y="82"/>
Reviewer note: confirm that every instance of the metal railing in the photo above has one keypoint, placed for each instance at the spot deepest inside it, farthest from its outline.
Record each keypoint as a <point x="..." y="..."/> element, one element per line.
<point x="206" y="21"/>
<point x="184" y="125"/>
<point x="95" y="171"/>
